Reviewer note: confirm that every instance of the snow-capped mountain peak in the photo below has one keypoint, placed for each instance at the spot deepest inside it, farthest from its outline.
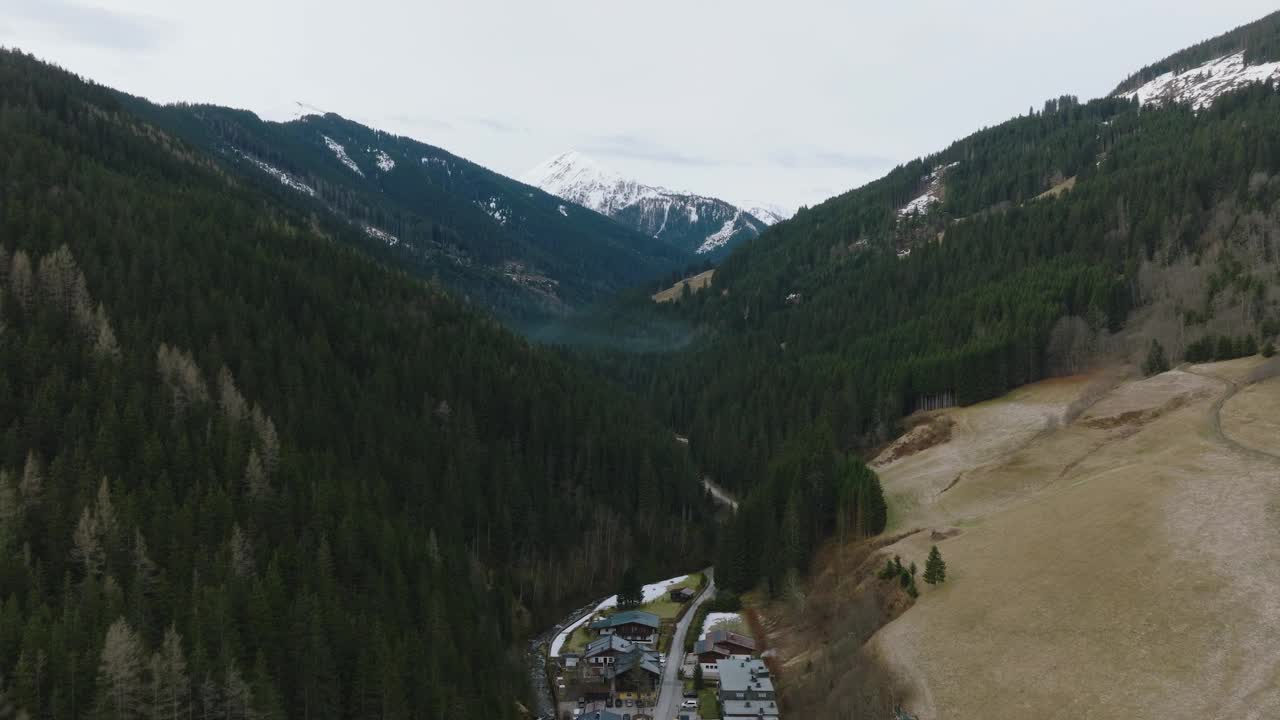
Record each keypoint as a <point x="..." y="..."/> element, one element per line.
<point x="699" y="224"/>
<point x="767" y="213"/>
<point x="577" y="178"/>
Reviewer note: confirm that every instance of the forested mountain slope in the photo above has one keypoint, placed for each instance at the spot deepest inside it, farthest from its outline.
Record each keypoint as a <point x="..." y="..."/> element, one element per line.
<point x="514" y="249"/>
<point x="1025" y="250"/>
<point x="246" y="471"/>
<point x="1259" y="41"/>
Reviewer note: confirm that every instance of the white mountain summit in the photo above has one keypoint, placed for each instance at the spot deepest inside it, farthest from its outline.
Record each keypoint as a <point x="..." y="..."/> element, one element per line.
<point x="693" y="222"/>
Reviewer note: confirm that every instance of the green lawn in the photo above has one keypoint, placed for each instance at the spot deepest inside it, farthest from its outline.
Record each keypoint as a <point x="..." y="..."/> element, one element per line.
<point x="708" y="706"/>
<point x="577" y="642"/>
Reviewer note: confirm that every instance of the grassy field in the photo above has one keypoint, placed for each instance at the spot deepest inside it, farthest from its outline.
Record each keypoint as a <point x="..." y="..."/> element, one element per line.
<point x="1107" y="565"/>
<point x="695" y="283"/>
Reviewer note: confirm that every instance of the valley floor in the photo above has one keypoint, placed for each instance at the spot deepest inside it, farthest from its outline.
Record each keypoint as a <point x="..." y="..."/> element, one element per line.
<point x="1116" y="552"/>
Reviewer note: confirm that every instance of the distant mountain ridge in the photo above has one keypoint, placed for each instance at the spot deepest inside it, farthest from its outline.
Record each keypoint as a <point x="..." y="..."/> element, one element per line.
<point x="515" y="250"/>
<point x="694" y="223"/>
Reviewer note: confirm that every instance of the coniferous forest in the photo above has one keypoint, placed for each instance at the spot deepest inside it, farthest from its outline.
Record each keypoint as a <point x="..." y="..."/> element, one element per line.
<point x="247" y="472"/>
<point x="836" y="323"/>
<point x="254" y="465"/>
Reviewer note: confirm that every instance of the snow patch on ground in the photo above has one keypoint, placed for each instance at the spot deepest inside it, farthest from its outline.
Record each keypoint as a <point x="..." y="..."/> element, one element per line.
<point x="1200" y="86"/>
<point x="285" y="178"/>
<point x="341" y="153"/>
<point x="385" y="163"/>
<point x="563" y="211"/>
<point x="920" y="205"/>
<point x="932" y="194"/>
<point x="563" y="637"/>
<point x="718" y="239"/>
<point x="652" y="592"/>
<point x="439" y="161"/>
<point x="382" y="235"/>
<point x="717" y="618"/>
<point x="495" y="211"/>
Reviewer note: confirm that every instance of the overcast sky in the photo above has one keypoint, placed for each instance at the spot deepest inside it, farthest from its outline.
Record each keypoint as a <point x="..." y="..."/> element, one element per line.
<point x="761" y="100"/>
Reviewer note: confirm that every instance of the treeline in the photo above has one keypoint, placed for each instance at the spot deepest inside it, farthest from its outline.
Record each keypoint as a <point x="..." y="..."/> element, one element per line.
<point x="689" y="271"/>
<point x="811" y="493"/>
<point x="1212" y="348"/>
<point x="247" y="472"/>
<point x="1260" y="41"/>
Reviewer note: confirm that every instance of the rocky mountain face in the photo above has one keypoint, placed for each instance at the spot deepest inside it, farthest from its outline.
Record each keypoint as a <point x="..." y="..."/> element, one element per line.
<point x="694" y="223"/>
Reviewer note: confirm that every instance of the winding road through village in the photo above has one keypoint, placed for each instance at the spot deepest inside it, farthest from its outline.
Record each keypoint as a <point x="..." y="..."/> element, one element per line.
<point x="672" y="691"/>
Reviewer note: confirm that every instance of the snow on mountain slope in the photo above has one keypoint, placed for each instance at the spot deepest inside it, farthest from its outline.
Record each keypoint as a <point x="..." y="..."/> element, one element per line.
<point x="1200" y="86"/>
<point x="577" y="178"/>
<point x="692" y="222"/>
<point x="934" y="188"/>
<point x="767" y="213"/>
<point x="340" y="152"/>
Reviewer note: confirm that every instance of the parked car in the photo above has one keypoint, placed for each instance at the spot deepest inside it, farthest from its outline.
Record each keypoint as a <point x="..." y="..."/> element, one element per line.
<point x="689" y="705"/>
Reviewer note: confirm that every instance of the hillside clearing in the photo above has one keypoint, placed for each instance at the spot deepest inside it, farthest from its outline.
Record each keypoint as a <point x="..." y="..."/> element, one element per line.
<point x="695" y="283"/>
<point x="1112" y="566"/>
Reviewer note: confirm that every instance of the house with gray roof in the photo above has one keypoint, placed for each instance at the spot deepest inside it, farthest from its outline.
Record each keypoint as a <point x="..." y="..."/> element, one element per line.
<point x="746" y="690"/>
<point x="634" y="625"/>
<point x="623" y="663"/>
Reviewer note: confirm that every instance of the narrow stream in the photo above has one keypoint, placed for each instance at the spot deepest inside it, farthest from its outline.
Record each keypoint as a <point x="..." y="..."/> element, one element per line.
<point x="544" y="703"/>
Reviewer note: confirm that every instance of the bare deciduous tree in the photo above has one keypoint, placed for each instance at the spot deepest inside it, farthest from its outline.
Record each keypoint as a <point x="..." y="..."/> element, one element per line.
<point x="170" y="687"/>
<point x="233" y="404"/>
<point x="255" y="477"/>
<point x="10" y="511"/>
<point x="144" y="568"/>
<point x="21" y="280"/>
<point x="241" y="553"/>
<point x="267" y="439"/>
<point x="32" y="486"/>
<point x="105" y="343"/>
<point x="121" y="691"/>
<point x="182" y="376"/>
<point x="86" y="544"/>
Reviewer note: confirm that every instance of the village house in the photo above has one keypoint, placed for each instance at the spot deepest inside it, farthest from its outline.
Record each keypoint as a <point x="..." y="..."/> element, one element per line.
<point x="624" y="664"/>
<point x="634" y="625"/>
<point x="746" y="690"/>
<point x="721" y="645"/>
<point x="681" y="595"/>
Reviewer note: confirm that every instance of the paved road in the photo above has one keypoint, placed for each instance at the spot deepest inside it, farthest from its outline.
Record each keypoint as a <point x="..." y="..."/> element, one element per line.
<point x="672" y="693"/>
